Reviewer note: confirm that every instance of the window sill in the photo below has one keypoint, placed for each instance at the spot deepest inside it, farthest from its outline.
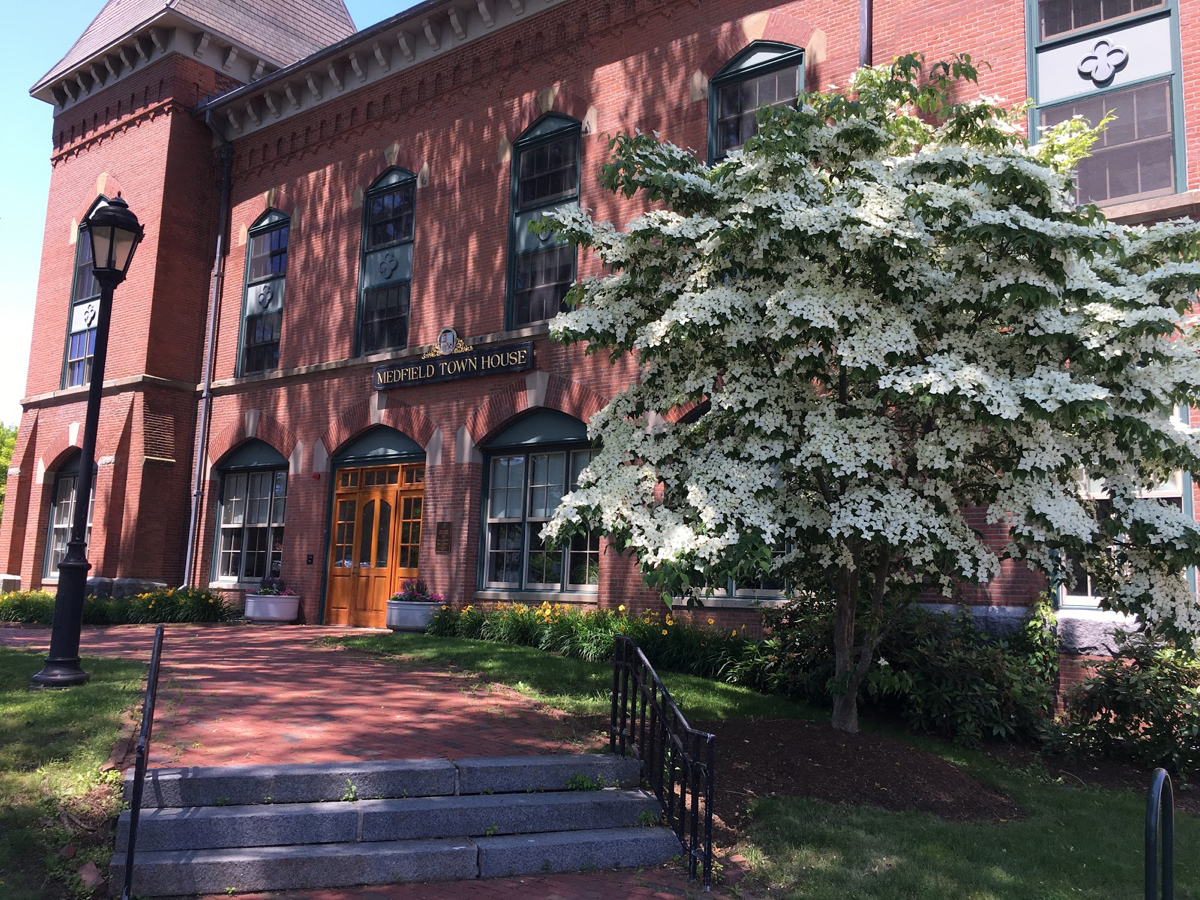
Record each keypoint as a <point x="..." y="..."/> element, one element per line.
<point x="248" y="586"/>
<point x="723" y="601"/>
<point x="537" y="597"/>
<point x="1155" y="209"/>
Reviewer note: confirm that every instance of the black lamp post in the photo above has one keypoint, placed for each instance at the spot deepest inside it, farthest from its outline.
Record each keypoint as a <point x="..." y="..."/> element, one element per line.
<point x="114" y="232"/>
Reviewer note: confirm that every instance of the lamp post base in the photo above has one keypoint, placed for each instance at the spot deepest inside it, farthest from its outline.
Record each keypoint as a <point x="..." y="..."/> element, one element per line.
<point x="61" y="673"/>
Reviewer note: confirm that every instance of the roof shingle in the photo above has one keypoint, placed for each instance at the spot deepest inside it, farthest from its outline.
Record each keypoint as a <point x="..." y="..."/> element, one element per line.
<point x="283" y="31"/>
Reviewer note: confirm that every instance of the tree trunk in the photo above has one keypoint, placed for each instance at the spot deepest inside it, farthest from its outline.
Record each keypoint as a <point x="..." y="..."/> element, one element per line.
<point x="845" y="712"/>
<point x="845" y="698"/>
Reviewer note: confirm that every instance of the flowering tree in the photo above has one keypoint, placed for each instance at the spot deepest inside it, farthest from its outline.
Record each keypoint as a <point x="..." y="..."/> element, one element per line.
<point x="885" y="311"/>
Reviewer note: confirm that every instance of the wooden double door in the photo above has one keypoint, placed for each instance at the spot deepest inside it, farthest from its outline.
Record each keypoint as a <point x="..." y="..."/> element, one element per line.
<point x="376" y="541"/>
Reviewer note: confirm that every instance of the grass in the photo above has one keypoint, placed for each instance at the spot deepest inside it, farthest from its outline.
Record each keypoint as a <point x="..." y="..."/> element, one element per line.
<point x="578" y="687"/>
<point x="52" y="743"/>
<point x="1070" y="844"/>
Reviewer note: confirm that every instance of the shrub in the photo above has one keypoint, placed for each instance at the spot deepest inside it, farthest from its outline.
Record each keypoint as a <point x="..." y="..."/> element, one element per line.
<point x="1144" y="704"/>
<point x="32" y="607"/>
<point x="165" y="605"/>
<point x="953" y="678"/>
<point x="943" y="673"/>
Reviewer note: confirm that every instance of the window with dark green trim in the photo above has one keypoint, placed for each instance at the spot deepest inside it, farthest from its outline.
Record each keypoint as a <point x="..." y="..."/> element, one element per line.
<point x="1095" y="58"/>
<point x="524" y="489"/>
<point x="1058" y="18"/>
<point x="545" y="177"/>
<point x="764" y="74"/>
<point x="1135" y="154"/>
<point x="262" y="309"/>
<point x="62" y="514"/>
<point x="81" y="318"/>
<point x="385" y="294"/>
<point x="252" y="499"/>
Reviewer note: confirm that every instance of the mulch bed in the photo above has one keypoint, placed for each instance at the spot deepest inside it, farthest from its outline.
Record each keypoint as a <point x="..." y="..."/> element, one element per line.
<point x="789" y="758"/>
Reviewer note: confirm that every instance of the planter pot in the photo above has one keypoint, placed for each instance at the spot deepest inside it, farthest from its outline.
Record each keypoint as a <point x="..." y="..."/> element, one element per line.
<point x="404" y="615"/>
<point x="272" y="607"/>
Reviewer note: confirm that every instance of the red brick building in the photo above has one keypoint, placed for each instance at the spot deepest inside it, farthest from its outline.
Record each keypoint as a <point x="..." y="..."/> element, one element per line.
<point x="330" y="360"/>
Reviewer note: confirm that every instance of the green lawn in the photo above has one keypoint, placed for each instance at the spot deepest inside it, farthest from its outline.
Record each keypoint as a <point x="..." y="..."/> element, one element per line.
<point x="573" y="685"/>
<point x="51" y="746"/>
<point x="1076" y="843"/>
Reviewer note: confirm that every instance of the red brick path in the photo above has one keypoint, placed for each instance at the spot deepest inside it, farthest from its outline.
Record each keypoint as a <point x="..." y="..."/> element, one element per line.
<point x="236" y="695"/>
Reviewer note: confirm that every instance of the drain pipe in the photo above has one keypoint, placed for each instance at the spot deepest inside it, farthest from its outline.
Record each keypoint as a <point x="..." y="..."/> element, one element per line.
<point x="214" y="304"/>
<point x="866" y="14"/>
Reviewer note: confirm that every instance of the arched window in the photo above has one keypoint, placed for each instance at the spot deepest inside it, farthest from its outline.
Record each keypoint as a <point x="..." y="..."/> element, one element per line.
<point x="764" y="74"/>
<point x="387" y="258"/>
<point x="253" y="498"/>
<point x="528" y="467"/>
<point x="545" y="177"/>
<point x="62" y="514"/>
<point x="266" y="277"/>
<point x="84" y="307"/>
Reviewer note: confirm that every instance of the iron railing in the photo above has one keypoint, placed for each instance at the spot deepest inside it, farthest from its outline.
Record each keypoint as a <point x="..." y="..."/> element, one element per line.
<point x="677" y="760"/>
<point x="1160" y="825"/>
<point x="143" y="753"/>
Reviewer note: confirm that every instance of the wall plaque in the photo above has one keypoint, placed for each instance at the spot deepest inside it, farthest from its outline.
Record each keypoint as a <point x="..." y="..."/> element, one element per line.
<point x="442" y="544"/>
<point x="466" y="363"/>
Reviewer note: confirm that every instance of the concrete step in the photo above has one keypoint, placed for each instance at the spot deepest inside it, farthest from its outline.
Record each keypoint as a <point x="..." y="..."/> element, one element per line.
<point x="323" y="782"/>
<point x="575" y="851"/>
<point x="170" y="873"/>
<point x="293" y="783"/>
<point x="213" y="827"/>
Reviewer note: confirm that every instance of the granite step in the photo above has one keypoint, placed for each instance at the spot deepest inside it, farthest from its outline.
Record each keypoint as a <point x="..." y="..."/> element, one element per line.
<point x="182" y="872"/>
<point x="325" y="782"/>
<point x="213" y="827"/>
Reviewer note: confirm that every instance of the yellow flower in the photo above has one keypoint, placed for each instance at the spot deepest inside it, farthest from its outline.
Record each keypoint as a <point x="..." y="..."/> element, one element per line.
<point x="664" y="631"/>
<point x="621" y="608"/>
<point x="733" y="633"/>
<point x="710" y="621"/>
<point x="670" y="621"/>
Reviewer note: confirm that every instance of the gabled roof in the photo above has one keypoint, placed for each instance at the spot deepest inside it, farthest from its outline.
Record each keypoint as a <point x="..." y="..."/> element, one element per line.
<point x="282" y="31"/>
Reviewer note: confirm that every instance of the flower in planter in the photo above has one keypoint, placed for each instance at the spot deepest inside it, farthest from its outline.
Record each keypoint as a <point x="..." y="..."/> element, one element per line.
<point x="274" y="586"/>
<point x="415" y="590"/>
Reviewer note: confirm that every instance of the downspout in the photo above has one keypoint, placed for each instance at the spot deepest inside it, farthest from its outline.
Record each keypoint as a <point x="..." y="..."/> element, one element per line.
<point x="218" y="281"/>
<point x="866" y="14"/>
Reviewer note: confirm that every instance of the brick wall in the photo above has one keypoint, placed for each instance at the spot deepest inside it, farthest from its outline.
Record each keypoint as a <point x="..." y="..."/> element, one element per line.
<point x="139" y="139"/>
<point x="615" y="65"/>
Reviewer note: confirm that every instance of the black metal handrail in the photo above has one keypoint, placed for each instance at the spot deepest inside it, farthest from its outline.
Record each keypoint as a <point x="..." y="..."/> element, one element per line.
<point x="143" y="752"/>
<point x="1160" y="823"/>
<point x="677" y="760"/>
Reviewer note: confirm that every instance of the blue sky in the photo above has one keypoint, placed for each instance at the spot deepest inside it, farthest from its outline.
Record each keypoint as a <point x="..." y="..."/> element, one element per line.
<point x="43" y="40"/>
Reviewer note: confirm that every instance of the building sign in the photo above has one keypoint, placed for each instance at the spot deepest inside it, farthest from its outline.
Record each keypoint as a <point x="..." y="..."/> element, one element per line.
<point x="442" y="544"/>
<point x="465" y="363"/>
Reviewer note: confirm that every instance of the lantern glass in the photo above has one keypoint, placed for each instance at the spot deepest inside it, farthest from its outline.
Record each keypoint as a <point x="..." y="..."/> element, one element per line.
<point x="114" y="232"/>
<point x="102" y="239"/>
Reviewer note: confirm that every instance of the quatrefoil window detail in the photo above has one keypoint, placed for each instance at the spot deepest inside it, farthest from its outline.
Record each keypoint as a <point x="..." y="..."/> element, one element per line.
<point x="265" y="296"/>
<point x="89" y="315"/>
<point x="1105" y="61"/>
<point x="388" y="264"/>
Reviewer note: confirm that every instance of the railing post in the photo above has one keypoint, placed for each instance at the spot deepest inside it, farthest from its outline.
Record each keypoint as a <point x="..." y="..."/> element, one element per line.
<point x="710" y="765"/>
<point x="618" y="657"/>
<point x="142" y="755"/>
<point x="1160" y="815"/>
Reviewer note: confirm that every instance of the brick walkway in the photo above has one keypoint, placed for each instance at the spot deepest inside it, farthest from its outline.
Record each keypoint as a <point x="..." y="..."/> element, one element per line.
<point x="236" y="695"/>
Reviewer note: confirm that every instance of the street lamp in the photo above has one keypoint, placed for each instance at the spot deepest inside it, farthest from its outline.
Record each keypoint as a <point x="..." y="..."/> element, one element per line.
<point x="114" y="232"/>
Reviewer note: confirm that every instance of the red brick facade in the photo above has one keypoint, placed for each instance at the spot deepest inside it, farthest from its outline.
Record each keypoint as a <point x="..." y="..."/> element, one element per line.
<point x="614" y="65"/>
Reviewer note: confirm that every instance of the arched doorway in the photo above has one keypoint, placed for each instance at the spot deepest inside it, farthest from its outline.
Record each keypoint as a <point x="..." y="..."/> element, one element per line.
<point x="375" y="527"/>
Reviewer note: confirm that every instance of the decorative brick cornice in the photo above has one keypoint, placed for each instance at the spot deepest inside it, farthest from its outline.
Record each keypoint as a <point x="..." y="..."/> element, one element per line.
<point x="263" y="427"/>
<point x="562" y="394"/>
<point x="393" y="413"/>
